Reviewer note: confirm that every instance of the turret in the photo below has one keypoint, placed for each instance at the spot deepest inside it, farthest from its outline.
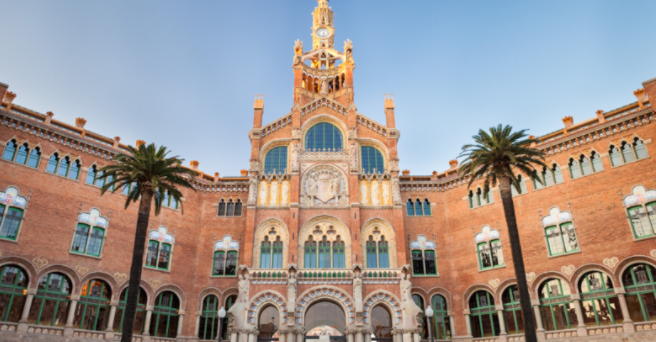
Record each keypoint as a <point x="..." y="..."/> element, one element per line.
<point x="258" y="111"/>
<point x="389" y="110"/>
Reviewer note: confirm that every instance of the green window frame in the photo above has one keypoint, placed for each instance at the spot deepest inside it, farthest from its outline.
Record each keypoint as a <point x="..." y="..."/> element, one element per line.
<point x="427" y="207"/>
<point x="92" y="310"/>
<point x="51" y="303"/>
<point x="231" y="263"/>
<point x="158" y="255"/>
<point x="557" y="238"/>
<point x="218" y="264"/>
<point x="597" y="164"/>
<point x="615" y="156"/>
<point x="418" y="262"/>
<point x="277" y="253"/>
<point x="627" y="152"/>
<point x="208" y="327"/>
<point x="339" y="256"/>
<point x="522" y="187"/>
<point x="643" y="220"/>
<point x="165" y="316"/>
<point x="574" y="169"/>
<point x="88" y="240"/>
<point x="276" y="160"/>
<point x="556" y="307"/>
<point x="140" y="316"/>
<point x="13" y="287"/>
<point x="512" y="311"/>
<point x="640" y="149"/>
<point x="91" y="175"/>
<point x="483" y="315"/>
<point x="21" y="155"/>
<point x="419" y="300"/>
<point x="441" y="325"/>
<point x="265" y="253"/>
<point x="599" y="303"/>
<point x="10" y="222"/>
<point x="53" y="163"/>
<point x="424" y="262"/>
<point x="170" y="202"/>
<point x="418" y="208"/>
<point x="383" y="253"/>
<point x="10" y="151"/>
<point x="586" y="166"/>
<point x="490" y="254"/>
<point x="64" y="166"/>
<point x="324" y="137"/>
<point x="35" y="158"/>
<point x="324" y="253"/>
<point x="372" y="160"/>
<point x="410" y="208"/>
<point x="310" y="254"/>
<point x="640" y="285"/>
<point x="372" y="257"/>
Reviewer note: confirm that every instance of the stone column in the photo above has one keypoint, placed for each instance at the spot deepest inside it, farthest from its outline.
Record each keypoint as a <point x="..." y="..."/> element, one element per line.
<point x="112" y="315"/>
<point x="407" y="336"/>
<point x="416" y="336"/>
<point x="251" y="336"/>
<point x="234" y="334"/>
<point x="68" y="328"/>
<point x="538" y="320"/>
<point x="196" y="330"/>
<point x="503" y="334"/>
<point x="367" y="334"/>
<point x="149" y="314"/>
<point x="22" y="324"/>
<point x="349" y="337"/>
<point x="282" y="335"/>
<point x="398" y="336"/>
<point x="300" y="336"/>
<point x="291" y="336"/>
<point x="467" y="323"/>
<point x="580" y="329"/>
<point x="628" y="322"/>
<point x="180" y="320"/>
<point x="452" y="325"/>
<point x="358" y="335"/>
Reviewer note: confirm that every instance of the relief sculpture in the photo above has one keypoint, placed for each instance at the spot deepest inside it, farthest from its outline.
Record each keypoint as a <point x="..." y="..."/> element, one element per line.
<point x="324" y="185"/>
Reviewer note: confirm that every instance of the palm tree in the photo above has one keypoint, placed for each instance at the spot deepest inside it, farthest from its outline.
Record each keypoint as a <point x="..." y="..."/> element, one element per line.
<point x="495" y="157"/>
<point x="149" y="175"/>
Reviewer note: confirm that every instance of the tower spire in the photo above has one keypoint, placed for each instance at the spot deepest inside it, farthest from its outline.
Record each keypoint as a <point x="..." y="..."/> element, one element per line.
<point x="322" y="26"/>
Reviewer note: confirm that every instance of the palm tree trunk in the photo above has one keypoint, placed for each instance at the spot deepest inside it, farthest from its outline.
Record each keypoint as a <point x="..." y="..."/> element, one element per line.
<point x="518" y="260"/>
<point x="135" y="269"/>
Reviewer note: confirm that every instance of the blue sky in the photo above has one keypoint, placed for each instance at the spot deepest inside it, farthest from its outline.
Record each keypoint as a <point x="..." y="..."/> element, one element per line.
<point x="184" y="73"/>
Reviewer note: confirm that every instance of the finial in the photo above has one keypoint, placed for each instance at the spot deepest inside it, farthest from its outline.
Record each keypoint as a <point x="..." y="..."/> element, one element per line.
<point x="140" y="142"/>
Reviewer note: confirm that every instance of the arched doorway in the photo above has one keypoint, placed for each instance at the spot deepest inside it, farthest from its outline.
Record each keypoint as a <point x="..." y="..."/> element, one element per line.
<point x="325" y="317"/>
<point x="268" y="323"/>
<point x="381" y="324"/>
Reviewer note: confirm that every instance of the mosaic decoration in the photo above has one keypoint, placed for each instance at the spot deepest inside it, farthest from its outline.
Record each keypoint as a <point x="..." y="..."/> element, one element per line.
<point x="93" y="218"/>
<point x="267" y="297"/>
<point x="10" y="197"/>
<point x="382" y="297"/>
<point x="422" y="243"/>
<point x="161" y="235"/>
<point x="556" y="216"/>
<point x="309" y="297"/>
<point x="487" y="234"/>
<point x="639" y="195"/>
<point x="226" y="243"/>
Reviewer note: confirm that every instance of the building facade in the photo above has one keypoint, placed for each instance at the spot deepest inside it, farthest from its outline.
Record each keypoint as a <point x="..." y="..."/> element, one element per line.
<point x="323" y="235"/>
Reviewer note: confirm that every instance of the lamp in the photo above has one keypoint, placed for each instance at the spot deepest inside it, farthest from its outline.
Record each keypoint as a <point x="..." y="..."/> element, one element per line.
<point x="429" y="314"/>
<point x="222" y="314"/>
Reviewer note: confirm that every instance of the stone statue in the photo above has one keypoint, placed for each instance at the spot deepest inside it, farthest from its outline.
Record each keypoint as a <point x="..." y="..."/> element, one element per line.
<point x="252" y="190"/>
<point x="396" y="191"/>
<point x="324" y="87"/>
<point x="354" y="156"/>
<point x="394" y="165"/>
<point x="296" y="150"/>
<point x="336" y="187"/>
<point x="298" y="51"/>
<point x="411" y="312"/>
<point x="237" y="312"/>
<point x="244" y="286"/>
<point x="291" y="293"/>
<point x="313" y="187"/>
<point x="357" y="292"/>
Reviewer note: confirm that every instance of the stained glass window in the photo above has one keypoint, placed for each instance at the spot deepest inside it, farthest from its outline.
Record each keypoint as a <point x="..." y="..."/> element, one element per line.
<point x="372" y="160"/>
<point x="276" y="160"/>
<point x="324" y="137"/>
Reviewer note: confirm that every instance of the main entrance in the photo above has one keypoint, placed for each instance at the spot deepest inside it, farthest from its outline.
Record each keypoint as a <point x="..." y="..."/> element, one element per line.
<point x="325" y="318"/>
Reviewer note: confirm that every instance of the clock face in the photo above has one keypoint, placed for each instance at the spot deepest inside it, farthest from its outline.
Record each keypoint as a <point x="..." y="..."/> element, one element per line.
<point x="323" y="33"/>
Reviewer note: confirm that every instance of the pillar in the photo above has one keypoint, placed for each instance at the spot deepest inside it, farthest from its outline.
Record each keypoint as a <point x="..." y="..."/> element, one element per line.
<point x="407" y="336"/>
<point x="538" y="317"/>
<point x="580" y="329"/>
<point x="282" y="336"/>
<point x="26" y="308"/>
<point x="234" y="334"/>
<point x="451" y="325"/>
<point x="71" y="314"/>
<point x="468" y="324"/>
<point x="291" y="336"/>
<point x="180" y="320"/>
<point x="503" y="334"/>
<point x="349" y="337"/>
<point x="367" y="335"/>
<point x="112" y="315"/>
<point x="416" y="336"/>
<point x="198" y="324"/>
<point x="300" y="336"/>
<point x="358" y="336"/>
<point x="628" y="322"/>
<point x="149" y="314"/>
<point x="251" y="336"/>
<point x="398" y="337"/>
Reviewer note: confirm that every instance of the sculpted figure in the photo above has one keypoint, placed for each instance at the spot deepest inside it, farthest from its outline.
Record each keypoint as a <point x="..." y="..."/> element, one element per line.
<point x="291" y="292"/>
<point x="410" y="309"/>
<point x="243" y="285"/>
<point x="237" y="312"/>
<point x="252" y="190"/>
<point x="296" y="150"/>
<point x="312" y="187"/>
<point x="324" y="87"/>
<point x="336" y="186"/>
<point x="396" y="190"/>
<point x="357" y="292"/>
<point x="354" y="156"/>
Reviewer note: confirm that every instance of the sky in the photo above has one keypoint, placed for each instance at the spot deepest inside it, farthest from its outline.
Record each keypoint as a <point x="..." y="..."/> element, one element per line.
<point x="184" y="73"/>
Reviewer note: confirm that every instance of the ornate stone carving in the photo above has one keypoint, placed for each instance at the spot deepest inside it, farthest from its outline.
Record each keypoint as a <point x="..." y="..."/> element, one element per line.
<point x="40" y="262"/>
<point x="252" y="190"/>
<point x="394" y="166"/>
<point x="653" y="253"/>
<point x="530" y="277"/>
<point x="81" y="270"/>
<point x="155" y="283"/>
<point x="410" y="309"/>
<point x="396" y="191"/>
<point x="296" y="151"/>
<point x="120" y="277"/>
<point x="324" y="91"/>
<point x="357" y="292"/>
<point x="567" y="269"/>
<point x="353" y="152"/>
<point x="255" y="166"/>
<point x="324" y="185"/>
<point x="296" y="134"/>
<point x="291" y="292"/>
<point x="494" y="283"/>
<point x="611" y="262"/>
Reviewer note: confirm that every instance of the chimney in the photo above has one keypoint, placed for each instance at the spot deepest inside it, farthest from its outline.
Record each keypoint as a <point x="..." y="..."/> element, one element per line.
<point x="641" y="96"/>
<point x="568" y="121"/>
<point x="216" y="176"/>
<point x="194" y="164"/>
<point x="117" y="140"/>
<point x="80" y="122"/>
<point x="140" y="143"/>
<point x="389" y="110"/>
<point x="453" y="164"/>
<point x="3" y="90"/>
<point x="9" y="99"/>
<point x="650" y="90"/>
<point x="533" y="144"/>
<point x="600" y="116"/>
<point x="258" y="108"/>
<point x="49" y="116"/>
<point x="405" y="172"/>
<point x="244" y="173"/>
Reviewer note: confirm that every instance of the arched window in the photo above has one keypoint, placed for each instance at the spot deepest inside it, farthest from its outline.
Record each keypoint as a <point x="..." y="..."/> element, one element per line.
<point x="383" y="253"/>
<point x="226" y="255"/>
<point x="92" y="311"/>
<point x="129" y="188"/>
<point x="164" y="320"/>
<point x="222" y="208"/>
<point x="522" y="187"/>
<point x="89" y="234"/>
<point x="35" y="157"/>
<point x="324" y="253"/>
<point x="329" y="252"/>
<point x="639" y="148"/>
<point x="339" y="257"/>
<point x="11" y="213"/>
<point x="50" y="304"/>
<point x="160" y="249"/>
<point x="627" y="152"/>
<point x="640" y="285"/>
<point x="419" y="300"/>
<point x="169" y="201"/>
<point x="423" y="256"/>
<point x="140" y="318"/>
<point x="553" y="175"/>
<point x="560" y="232"/>
<point x="265" y="253"/>
<point x="230" y="207"/>
<point x="238" y="207"/>
<point x="276" y="160"/>
<point x="512" y="311"/>
<point x="13" y="286"/>
<point x="615" y="156"/>
<point x="268" y="322"/>
<point x="209" y="318"/>
<point x="477" y="199"/>
<point x="597" y="164"/>
<point x="556" y="307"/>
<point x="488" y="245"/>
<point x="598" y="300"/>
<point x="53" y="162"/>
<point x="10" y="151"/>
<point x="310" y="253"/>
<point x="381" y="322"/>
<point x="68" y="168"/>
<point x="427" y="207"/>
<point x="418" y="207"/>
<point x="21" y="156"/>
<point x="230" y="211"/>
<point x="410" y="207"/>
<point x="483" y="315"/>
<point x="441" y="325"/>
<point x="641" y="206"/>
<point x="224" y="328"/>
<point x="94" y="177"/>
<point x="324" y="137"/>
<point x="372" y="258"/>
<point x="372" y="160"/>
<point x="271" y="250"/>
